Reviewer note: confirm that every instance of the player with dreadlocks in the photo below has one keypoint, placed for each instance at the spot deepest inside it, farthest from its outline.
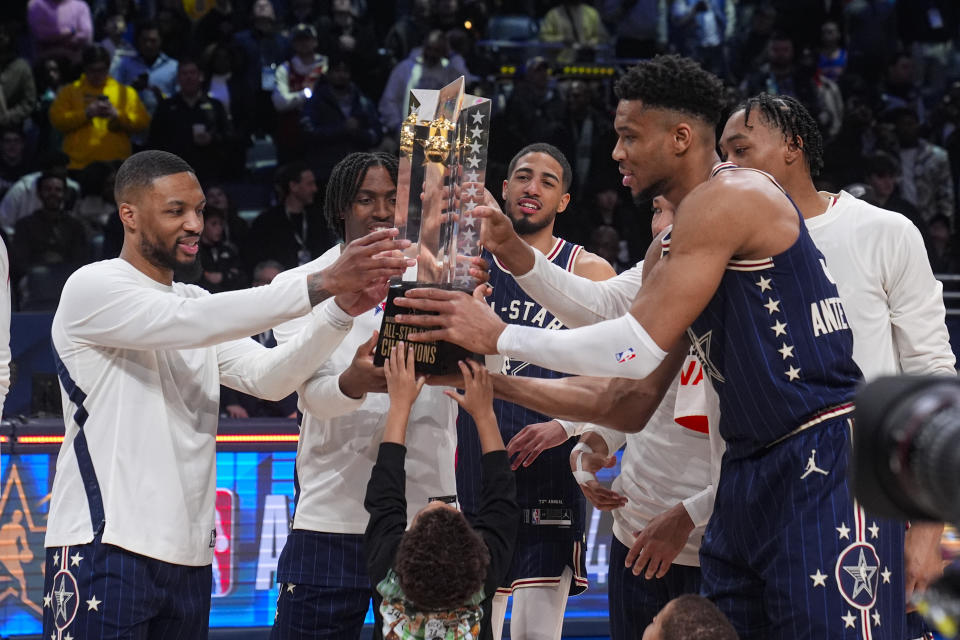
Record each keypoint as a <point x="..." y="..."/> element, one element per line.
<point x="324" y="588"/>
<point x="893" y="303"/>
<point x="787" y="554"/>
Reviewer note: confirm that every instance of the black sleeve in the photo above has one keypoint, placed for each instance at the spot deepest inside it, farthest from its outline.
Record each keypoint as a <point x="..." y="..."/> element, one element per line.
<point x="498" y="519"/>
<point x="386" y="503"/>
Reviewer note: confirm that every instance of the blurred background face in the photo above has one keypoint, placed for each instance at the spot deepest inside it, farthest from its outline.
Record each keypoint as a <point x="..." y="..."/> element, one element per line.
<point x="115" y="26"/>
<point x="51" y="71"/>
<point x="304" y="46"/>
<point x="434" y="49"/>
<point x="605" y="242"/>
<point x="264" y="16"/>
<point x="264" y="276"/>
<point x="829" y="34"/>
<point x="96" y="73"/>
<point x="606" y="200"/>
<point x="780" y="53"/>
<point x="902" y="72"/>
<point x="148" y="43"/>
<point x="217" y="197"/>
<point x="212" y="230"/>
<point x="189" y="78"/>
<point x="939" y="233"/>
<point x="882" y="185"/>
<point x="342" y="13"/>
<point x="11" y="146"/>
<point x="908" y="130"/>
<point x="305" y="188"/>
<point x="339" y="75"/>
<point x="50" y="192"/>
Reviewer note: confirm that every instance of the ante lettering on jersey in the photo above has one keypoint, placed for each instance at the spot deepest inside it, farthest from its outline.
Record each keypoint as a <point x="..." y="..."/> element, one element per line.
<point x="827" y="316"/>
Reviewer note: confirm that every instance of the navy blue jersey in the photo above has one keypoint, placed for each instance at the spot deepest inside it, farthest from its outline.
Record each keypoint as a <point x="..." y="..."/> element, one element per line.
<point x="776" y="344"/>
<point x="546" y="489"/>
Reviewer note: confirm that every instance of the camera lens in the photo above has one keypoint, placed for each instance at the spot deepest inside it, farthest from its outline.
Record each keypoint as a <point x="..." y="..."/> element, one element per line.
<point x="907" y="448"/>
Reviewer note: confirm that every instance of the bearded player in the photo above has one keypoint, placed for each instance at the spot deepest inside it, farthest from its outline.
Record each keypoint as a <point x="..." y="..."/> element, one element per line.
<point x="548" y="562"/>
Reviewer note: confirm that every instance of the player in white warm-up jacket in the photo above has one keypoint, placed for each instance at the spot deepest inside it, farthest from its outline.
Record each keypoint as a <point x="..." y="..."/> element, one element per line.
<point x="141" y="358"/>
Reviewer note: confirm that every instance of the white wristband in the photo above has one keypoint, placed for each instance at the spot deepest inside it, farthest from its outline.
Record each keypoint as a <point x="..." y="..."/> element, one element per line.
<point x="570" y="427"/>
<point x="583" y="446"/>
<point x="581" y="476"/>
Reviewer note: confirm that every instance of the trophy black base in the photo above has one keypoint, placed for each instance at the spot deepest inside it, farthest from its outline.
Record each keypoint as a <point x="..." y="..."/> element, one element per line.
<point x="431" y="358"/>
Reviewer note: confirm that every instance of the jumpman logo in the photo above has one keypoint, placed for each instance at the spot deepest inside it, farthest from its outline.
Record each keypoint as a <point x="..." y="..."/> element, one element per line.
<point x="812" y="465"/>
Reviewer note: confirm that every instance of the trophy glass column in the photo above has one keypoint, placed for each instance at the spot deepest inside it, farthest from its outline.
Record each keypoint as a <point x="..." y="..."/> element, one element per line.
<point x="442" y="167"/>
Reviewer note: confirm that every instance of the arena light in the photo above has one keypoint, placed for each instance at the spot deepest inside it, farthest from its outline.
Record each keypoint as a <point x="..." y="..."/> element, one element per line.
<point x="39" y="439"/>
<point x="467" y="25"/>
<point x="251" y="438"/>
<point x="257" y="437"/>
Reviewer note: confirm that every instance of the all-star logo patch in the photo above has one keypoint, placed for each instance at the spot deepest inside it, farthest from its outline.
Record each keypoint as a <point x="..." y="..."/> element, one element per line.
<point x="858" y="575"/>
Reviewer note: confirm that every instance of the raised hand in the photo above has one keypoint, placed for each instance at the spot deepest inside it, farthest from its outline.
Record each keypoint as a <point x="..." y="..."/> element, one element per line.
<point x="362" y="301"/>
<point x="498" y="236"/>
<point x="584" y="462"/>
<point x="362" y="376"/>
<point x="402" y="382"/>
<point x="477" y="398"/>
<point x="533" y="440"/>
<point x="365" y="262"/>
<point x="459" y="318"/>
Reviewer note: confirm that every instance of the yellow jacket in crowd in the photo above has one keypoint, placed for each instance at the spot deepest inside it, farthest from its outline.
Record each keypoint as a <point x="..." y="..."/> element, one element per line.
<point x="97" y="139"/>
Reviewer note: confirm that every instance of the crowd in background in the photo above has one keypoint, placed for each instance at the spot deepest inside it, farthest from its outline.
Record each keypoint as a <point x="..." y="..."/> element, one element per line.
<point x="263" y="97"/>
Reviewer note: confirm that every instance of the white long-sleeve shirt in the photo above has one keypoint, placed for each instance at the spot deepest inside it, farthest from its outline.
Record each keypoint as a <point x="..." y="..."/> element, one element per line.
<point x="142" y="365"/>
<point x="893" y="303"/>
<point x="665" y="463"/>
<point x="340" y="436"/>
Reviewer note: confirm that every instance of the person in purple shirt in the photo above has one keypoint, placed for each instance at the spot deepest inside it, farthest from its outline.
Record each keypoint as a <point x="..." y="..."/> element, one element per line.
<point x="59" y="28"/>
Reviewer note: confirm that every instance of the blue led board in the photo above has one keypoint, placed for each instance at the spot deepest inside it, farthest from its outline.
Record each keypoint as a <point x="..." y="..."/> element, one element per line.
<point x="254" y="505"/>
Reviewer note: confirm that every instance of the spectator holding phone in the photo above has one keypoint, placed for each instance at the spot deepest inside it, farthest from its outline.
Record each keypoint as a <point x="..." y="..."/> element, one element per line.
<point x="148" y="70"/>
<point x="96" y="114"/>
<point x="195" y="126"/>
